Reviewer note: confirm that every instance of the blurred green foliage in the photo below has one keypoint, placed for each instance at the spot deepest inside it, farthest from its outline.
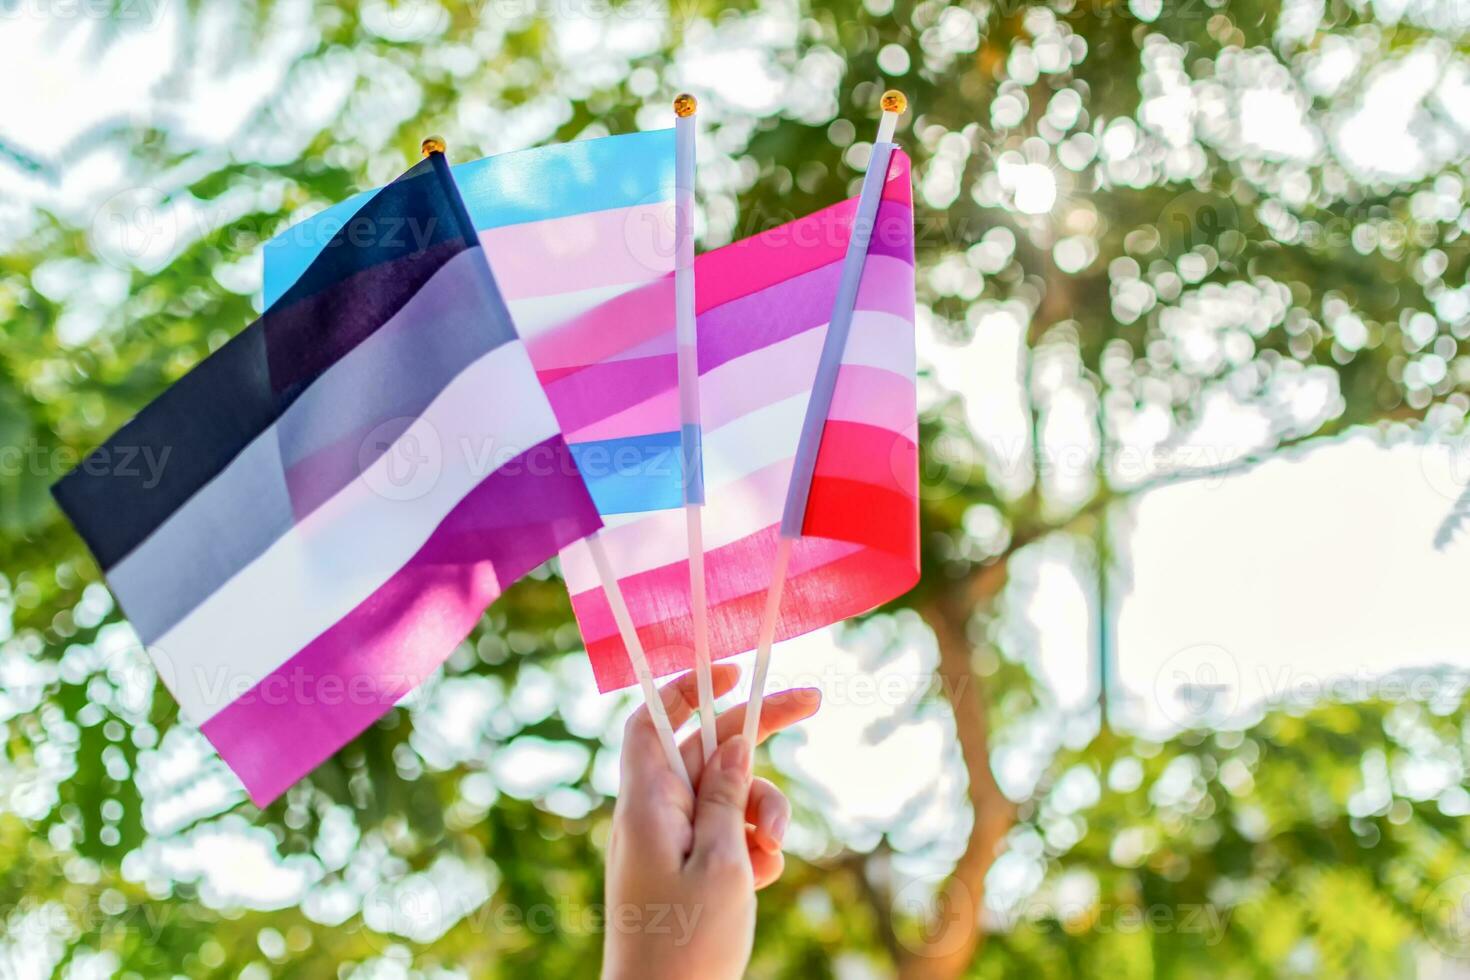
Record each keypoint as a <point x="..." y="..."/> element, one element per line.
<point x="1186" y="257"/>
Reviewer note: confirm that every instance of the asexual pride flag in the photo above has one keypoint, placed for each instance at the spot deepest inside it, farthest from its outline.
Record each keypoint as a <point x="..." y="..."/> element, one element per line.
<point x="347" y="484"/>
<point x="763" y="307"/>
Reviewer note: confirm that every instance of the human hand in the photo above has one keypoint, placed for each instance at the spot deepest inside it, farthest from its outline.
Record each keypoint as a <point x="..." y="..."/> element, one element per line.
<point x="683" y="870"/>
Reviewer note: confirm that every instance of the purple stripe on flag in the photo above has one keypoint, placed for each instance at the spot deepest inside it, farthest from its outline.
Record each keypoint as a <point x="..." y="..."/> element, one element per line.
<point x="348" y="677"/>
<point x="796" y="305"/>
<point x="598" y="391"/>
<point x="893" y="232"/>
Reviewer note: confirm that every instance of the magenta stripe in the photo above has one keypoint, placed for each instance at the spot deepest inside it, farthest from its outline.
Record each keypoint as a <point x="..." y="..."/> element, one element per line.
<point x="657" y="414"/>
<point x="797" y="247"/>
<point x="345" y="679"/>
<point x="582" y="251"/>
<point x="798" y="304"/>
<point x="597" y="391"/>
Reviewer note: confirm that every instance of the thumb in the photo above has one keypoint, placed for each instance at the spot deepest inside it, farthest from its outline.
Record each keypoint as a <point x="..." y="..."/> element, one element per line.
<point x="719" y="810"/>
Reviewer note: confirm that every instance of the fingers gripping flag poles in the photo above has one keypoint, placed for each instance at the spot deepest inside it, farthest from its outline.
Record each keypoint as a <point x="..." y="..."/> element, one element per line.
<point x="798" y="490"/>
<point x="688" y="348"/>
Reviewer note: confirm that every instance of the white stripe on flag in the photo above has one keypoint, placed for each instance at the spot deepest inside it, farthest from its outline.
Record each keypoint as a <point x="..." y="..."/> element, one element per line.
<point x="537" y="315"/>
<point x="328" y="564"/>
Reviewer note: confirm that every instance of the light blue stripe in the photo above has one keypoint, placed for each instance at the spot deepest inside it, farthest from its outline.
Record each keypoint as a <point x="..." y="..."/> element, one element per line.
<point x="509" y="189"/>
<point x="633" y="475"/>
<point x="825" y="384"/>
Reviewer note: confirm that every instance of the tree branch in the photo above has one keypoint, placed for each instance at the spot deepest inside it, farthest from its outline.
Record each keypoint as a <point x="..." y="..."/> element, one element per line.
<point x="952" y="937"/>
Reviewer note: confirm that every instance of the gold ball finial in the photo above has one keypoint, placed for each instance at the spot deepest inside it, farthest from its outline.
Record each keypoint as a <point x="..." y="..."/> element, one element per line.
<point x="434" y="144"/>
<point x="894" y="101"/>
<point x="684" y="105"/>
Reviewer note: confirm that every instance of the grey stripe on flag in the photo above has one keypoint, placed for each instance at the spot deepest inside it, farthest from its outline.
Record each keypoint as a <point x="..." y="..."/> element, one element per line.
<point x="234" y="518"/>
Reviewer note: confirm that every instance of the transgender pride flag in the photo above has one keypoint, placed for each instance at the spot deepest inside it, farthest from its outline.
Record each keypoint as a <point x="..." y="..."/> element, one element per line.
<point x="347" y="484"/>
<point x="763" y="307"/>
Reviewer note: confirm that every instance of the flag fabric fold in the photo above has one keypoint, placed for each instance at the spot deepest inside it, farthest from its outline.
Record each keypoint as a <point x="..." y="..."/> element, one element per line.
<point x="346" y="485"/>
<point x="763" y="306"/>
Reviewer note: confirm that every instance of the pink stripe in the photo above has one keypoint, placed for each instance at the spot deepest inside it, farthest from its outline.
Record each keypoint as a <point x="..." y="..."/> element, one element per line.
<point x="773" y="256"/>
<point x="835" y="581"/>
<point x="874" y="397"/>
<point x="345" y="679"/>
<point x="797" y="247"/>
<point x="595" y="392"/>
<point x="639" y="316"/>
<point x="732" y="571"/>
<point x="657" y="414"/>
<point x="887" y="286"/>
<point x="582" y="251"/>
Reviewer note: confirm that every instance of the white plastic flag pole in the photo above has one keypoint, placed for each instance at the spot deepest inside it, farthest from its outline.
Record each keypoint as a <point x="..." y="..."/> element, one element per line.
<point x="766" y="639"/>
<point x="687" y="341"/>
<point x="893" y="104"/>
<point x="634" y="646"/>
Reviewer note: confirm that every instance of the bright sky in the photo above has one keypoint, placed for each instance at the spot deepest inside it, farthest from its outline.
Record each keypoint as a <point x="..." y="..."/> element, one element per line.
<point x="1267" y="584"/>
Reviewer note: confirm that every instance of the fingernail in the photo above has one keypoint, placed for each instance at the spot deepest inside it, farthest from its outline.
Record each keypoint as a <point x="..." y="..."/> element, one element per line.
<point x="778" y="828"/>
<point x="774" y="819"/>
<point x="737" y="756"/>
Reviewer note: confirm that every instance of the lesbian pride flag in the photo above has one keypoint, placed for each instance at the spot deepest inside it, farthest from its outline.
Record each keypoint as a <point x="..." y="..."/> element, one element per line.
<point x="581" y="238"/>
<point x="763" y="306"/>
<point x="346" y="485"/>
